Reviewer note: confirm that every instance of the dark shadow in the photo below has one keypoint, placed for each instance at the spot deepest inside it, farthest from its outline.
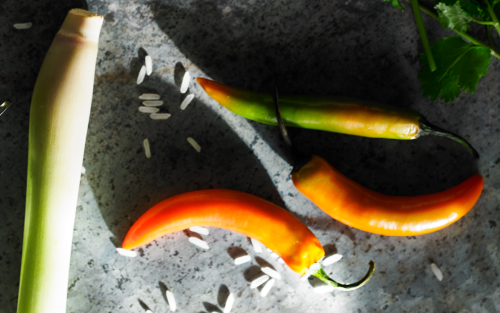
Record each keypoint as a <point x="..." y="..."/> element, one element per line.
<point x="189" y="233"/>
<point x="211" y="307"/>
<point x="163" y="289"/>
<point x="263" y="263"/>
<point x="323" y="49"/>
<point x="236" y="252"/>
<point x="143" y="305"/>
<point x="125" y="183"/>
<point x="330" y="249"/>
<point x="252" y="273"/>
<point x="179" y="72"/>
<point x="222" y="295"/>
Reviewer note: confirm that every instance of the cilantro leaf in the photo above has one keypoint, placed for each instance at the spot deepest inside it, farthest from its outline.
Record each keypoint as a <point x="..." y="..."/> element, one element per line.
<point x="454" y="17"/>
<point x="396" y="4"/>
<point x="459" y="67"/>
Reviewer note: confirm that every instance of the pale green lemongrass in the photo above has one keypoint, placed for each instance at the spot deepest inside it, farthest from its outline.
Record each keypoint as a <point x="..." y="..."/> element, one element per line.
<point x="59" y="118"/>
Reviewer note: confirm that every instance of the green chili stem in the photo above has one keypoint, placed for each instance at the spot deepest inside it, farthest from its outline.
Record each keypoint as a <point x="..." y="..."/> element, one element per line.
<point x="496" y="24"/>
<point x="490" y="38"/>
<point x="423" y="34"/>
<point x="317" y="271"/>
<point x="483" y="22"/>
<point x="429" y="129"/>
<point x="494" y="52"/>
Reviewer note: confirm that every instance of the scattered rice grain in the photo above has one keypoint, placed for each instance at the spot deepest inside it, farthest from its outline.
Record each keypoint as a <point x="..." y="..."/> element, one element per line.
<point x="127" y="253"/>
<point x="160" y="116"/>
<point x="186" y="101"/>
<point x="269" y="271"/>
<point x="242" y="259"/>
<point x="142" y="74"/>
<point x="152" y="103"/>
<point x="148" y="110"/>
<point x="267" y="287"/>
<point x="149" y="96"/>
<point x="193" y="143"/>
<point x="280" y="260"/>
<point x="83" y="170"/>
<point x="185" y="82"/>
<point x="257" y="247"/>
<point x="149" y="65"/>
<point x="259" y="281"/>
<point x="229" y="303"/>
<point x="22" y="25"/>
<point x="437" y="271"/>
<point x="323" y="289"/>
<point x="147" y="149"/>
<point x="199" y="230"/>
<point x="198" y="242"/>
<point x="171" y="301"/>
<point x="332" y="259"/>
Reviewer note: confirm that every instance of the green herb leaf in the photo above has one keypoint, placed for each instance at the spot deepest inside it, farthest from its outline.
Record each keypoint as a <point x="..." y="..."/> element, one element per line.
<point x="454" y="17"/>
<point x="396" y="4"/>
<point x="459" y="67"/>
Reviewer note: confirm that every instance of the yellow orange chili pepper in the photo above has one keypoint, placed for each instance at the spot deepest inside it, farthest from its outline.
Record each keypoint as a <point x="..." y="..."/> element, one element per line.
<point x="246" y="214"/>
<point x="364" y="209"/>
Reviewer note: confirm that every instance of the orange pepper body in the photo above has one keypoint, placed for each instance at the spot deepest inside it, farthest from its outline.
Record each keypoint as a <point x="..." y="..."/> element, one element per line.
<point x="364" y="209"/>
<point x="241" y="212"/>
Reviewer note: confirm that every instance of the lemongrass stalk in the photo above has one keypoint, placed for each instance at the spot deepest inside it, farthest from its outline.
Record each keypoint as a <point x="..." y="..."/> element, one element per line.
<point x="59" y="116"/>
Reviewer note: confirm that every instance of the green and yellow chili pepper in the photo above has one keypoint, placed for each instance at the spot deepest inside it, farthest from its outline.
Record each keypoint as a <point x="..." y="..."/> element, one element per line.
<point x="335" y="114"/>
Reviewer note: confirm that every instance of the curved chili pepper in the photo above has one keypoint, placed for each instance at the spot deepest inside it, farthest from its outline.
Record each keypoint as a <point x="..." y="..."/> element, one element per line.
<point x="364" y="209"/>
<point x="336" y="114"/>
<point x="246" y="214"/>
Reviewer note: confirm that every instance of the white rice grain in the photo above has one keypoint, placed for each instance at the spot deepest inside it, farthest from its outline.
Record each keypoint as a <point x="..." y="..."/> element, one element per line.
<point x="147" y="149"/>
<point x="267" y="287"/>
<point x="185" y="82"/>
<point x="149" y="311"/>
<point x="152" y="103"/>
<point x="160" y="116"/>
<point x="280" y="260"/>
<point x="171" y="301"/>
<point x="259" y="281"/>
<point x="22" y="25"/>
<point x="323" y="289"/>
<point x="437" y="271"/>
<point x="195" y="145"/>
<point x="274" y="255"/>
<point x="148" y="110"/>
<point x="269" y="271"/>
<point x="199" y="230"/>
<point x="229" y="303"/>
<point x="186" y="101"/>
<point x="83" y="170"/>
<point x="198" y="242"/>
<point x="142" y="74"/>
<point x="257" y="247"/>
<point x="149" y="65"/>
<point x="127" y="253"/>
<point x="149" y="96"/>
<point x="242" y="259"/>
<point x="332" y="259"/>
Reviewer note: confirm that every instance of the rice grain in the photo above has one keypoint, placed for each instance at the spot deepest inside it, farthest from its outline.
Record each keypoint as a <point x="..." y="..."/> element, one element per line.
<point x="267" y="287"/>
<point x="185" y="82"/>
<point x="195" y="145"/>
<point x="127" y="253"/>
<point x="259" y="281"/>
<point x="242" y="259"/>
<point x="199" y="230"/>
<point x="437" y="272"/>
<point x="332" y="259"/>
<point x="142" y="74"/>
<point x="160" y="116"/>
<point x="148" y="110"/>
<point x="171" y="301"/>
<point x="22" y="25"/>
<point x="323" y="289"/>
<point x="269" y="271"/>
<point x="147" y="149"/>
<point x="186" y="101"/>
<point x="149" y="65"/>
<point x="229" y="303"/>
<point x="149" y="96"/>
<point x="152" y="103"/>
<point x="257" y="247"/>
<point x="198" y="242"/>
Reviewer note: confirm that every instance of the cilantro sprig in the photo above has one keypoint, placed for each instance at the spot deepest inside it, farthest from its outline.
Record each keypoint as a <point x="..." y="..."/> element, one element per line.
<point x="454" y="65"/>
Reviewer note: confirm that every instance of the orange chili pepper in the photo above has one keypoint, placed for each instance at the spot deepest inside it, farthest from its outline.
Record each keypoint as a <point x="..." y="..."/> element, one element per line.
<point x="364" y="209"/>
<point x="246" y="214"/>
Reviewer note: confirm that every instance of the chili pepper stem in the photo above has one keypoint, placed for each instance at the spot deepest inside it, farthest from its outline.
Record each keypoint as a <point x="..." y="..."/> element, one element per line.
<point x="429" y="129"/>
<point x="317" y="270"/>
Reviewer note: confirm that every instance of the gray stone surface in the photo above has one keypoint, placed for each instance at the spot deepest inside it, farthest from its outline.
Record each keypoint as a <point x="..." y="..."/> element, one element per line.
<point x="362" y="49"/>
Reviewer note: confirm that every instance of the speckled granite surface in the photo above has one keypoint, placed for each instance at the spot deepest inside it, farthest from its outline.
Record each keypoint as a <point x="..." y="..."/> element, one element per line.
<point x="363" y="49"/>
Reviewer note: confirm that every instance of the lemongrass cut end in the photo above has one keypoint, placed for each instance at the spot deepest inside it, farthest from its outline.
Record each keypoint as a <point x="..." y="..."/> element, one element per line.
<point x="82" y="23"/>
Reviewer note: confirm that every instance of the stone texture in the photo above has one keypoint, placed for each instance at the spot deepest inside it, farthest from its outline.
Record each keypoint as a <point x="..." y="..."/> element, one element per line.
<point x="362" y="49"/>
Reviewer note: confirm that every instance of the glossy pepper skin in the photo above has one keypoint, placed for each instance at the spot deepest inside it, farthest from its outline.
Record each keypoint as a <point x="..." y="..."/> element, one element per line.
<point x="364" y="209"/>
<point x="237" y="211"/>
<point x="335" y="114"/>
